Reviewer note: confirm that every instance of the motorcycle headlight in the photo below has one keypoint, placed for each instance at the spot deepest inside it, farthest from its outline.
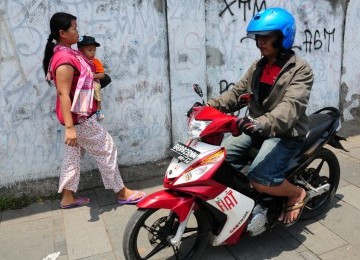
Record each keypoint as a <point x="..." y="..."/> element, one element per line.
<point x="196" y="127"/>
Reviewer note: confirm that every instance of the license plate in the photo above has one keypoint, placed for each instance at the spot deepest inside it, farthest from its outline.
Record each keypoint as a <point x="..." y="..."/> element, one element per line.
<point x="183" y="153"/>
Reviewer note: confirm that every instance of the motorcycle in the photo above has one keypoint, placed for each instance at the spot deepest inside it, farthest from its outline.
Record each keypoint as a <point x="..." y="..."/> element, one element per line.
<point x="206" y="200"/>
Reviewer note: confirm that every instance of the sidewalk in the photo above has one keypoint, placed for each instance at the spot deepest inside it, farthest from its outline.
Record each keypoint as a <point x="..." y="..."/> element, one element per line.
<point x="42" y="231"/>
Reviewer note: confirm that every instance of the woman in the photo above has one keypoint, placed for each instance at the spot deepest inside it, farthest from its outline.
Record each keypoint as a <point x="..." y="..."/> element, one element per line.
<point x="75" y="108"/>
<point x="281" y="84"/>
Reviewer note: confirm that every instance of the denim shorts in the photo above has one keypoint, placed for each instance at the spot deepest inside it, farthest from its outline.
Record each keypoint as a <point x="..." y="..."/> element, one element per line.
<point x="271" y="164"/>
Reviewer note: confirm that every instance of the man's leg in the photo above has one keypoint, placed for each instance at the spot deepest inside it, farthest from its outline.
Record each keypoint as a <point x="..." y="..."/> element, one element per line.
<point x="286" y="189"/>
<point x="267" y="172"/>
<point x="237" y="149"/>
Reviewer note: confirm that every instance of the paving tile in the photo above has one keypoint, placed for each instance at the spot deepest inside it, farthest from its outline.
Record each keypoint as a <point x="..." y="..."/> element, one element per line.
<point x="351" y="195"/>
<point x="351" y="142"/>
<point x="292" y="242"/>
<point x="349" y="171"/>
<point x="344" y="221"/>
<point x="59" y="232"/>
<point x="354" y="160"/>
<point x="105" y="256"/>
<point x="308" y="255"/>
<point x="115" y="219"/>
<point x="105" y="197"/>
<point x="341" y="155"/>
<point x="27" y="239"/>
<point x="338" y="152"/>
<point x="348" y="252"/>
<point x="343" y="183"/>
<point x="268" y="245"/>
<point x="84" y="236"/>
<point x="32" y="212"/>
<point x="286" y="255"/>
<point x="96" y="232"/>
<point x="61" y="248"/>
<point x="316" y="237"/>
<point x="62" y="257"/>
<point x="355" y="153"/>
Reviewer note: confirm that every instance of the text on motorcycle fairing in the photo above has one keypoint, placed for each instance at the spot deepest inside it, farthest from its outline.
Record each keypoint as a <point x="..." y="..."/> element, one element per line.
<point x="228" y="202"/>
<point x="239" y="223"/>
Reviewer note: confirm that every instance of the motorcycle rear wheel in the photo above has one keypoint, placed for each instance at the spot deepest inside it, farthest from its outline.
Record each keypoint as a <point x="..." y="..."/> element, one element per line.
<point x="324" y="168"/>
<point x="148" y="232"/>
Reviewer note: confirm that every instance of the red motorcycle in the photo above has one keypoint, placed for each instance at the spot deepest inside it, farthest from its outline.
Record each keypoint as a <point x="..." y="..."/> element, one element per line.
<point x="206" y="200"/>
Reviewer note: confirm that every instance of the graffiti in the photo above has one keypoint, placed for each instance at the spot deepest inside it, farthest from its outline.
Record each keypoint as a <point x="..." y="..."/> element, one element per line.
<point x="153" y="56"/>
<point x="246" y="37"/>
<point x="245" y="5"/>
<point x="225" y="86"/>
<point x="312" y="40"/>
<point x="134" y="50"/>
<point x="315" y="39"/>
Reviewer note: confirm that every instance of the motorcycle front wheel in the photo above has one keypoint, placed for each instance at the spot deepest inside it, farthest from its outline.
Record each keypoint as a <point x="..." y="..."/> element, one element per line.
<point x="148" y="234"/>
<point x="323" y="169"/>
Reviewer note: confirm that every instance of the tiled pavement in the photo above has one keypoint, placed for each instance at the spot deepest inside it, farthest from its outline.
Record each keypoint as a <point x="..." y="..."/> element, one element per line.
<point x="42" y="231"/>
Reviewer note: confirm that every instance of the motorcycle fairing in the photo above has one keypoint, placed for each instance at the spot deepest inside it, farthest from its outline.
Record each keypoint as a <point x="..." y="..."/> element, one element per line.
<point x="176" y="168"/>
<point x="166" y="199"/>
<point x="237" y="207"/>
<point x="232" y="203"/>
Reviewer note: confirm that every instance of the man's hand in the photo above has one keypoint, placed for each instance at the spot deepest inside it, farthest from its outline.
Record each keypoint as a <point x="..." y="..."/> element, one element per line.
<point x="249" y="126"/>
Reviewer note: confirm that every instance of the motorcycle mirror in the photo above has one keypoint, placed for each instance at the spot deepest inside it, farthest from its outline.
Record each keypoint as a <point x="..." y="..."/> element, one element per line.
<point x="198" y="90"/>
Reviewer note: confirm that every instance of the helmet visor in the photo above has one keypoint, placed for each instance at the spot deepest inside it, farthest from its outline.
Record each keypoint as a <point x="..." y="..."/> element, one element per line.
<point x="252" y="34"/>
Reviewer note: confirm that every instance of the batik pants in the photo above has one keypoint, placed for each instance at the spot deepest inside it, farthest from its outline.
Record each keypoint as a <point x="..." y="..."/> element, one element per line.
<point x="95" y="140"/>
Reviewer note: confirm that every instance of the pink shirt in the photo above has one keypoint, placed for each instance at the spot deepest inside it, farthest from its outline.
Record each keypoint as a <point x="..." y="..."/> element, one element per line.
<point x="63" y="58"/>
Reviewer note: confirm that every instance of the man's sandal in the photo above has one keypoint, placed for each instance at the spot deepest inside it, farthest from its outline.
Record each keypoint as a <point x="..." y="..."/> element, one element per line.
<point x="299" y="205"/>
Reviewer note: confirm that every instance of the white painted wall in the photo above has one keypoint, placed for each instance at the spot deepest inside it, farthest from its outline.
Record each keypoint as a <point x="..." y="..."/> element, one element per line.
<point x="154" y="51"/>
<point x="231" y="53"/>
<point x="133" y="47"/>
<point x="351" y="71"/>
<point x="186" y="26"/>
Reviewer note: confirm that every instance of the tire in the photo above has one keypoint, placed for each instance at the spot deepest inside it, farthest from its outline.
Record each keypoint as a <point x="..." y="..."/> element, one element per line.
<point x="149" y="230"/>
<point x="329" y="172"/>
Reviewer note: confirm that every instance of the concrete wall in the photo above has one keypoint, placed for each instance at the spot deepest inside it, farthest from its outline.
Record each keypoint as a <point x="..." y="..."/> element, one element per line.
<point x="154" y="51"/>
<point x="318" y="40"/>
<point x="133" y="39"/>
<point x="350" y="88"/>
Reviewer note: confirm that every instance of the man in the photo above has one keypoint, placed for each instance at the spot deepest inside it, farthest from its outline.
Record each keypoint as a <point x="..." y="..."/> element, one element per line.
<point x="281" y="84"/>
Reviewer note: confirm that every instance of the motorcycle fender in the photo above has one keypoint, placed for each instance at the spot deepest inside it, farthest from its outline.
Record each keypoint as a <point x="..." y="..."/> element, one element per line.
<point x="166" y="199"/>
<point x="335" y="142"/>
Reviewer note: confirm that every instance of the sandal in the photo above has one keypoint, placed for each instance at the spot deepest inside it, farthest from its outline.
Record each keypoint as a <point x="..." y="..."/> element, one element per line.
<point x="78" y="203"/>
<point x="131" y="199"/>
<point x="299" y="205"/>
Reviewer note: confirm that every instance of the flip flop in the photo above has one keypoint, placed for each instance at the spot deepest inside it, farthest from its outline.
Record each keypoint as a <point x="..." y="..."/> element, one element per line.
<point x="81" y="201"/>
<point x="131" y="199"/>
<point x="300" y="205"/>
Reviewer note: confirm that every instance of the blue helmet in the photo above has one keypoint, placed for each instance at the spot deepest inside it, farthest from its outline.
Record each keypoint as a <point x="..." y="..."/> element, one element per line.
<point x="274" y="19"/>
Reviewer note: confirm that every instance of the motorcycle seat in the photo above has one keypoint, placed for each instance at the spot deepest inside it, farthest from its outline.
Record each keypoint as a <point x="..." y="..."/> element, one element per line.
<point x="318" y="126"/>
